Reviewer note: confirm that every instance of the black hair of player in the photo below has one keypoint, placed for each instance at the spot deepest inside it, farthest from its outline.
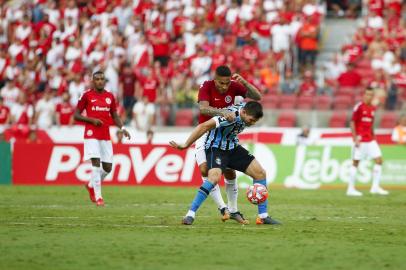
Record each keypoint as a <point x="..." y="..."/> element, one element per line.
<point x="369" y="88"/>
<point x="223" y="71"/>
<point x="254" y="109"/>
<point x="97" y="73"/>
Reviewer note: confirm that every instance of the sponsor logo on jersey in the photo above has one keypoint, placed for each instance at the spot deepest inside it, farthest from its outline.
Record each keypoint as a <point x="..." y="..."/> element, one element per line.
<point x="366" y="119"/>
<point x="100" y="109"/>
<point x="93" y="100"/>
<point x="228" y="99"/>
<point x="218" y="161"/>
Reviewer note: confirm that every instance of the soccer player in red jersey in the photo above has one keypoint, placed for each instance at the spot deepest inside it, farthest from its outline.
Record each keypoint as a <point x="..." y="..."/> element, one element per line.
<point x="100" y="106"/>
<point x="365" y="145"/>
<point x="214" y="96"/>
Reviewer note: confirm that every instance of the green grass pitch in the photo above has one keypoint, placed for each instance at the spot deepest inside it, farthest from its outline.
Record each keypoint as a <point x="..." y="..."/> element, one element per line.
<point x="58" y="228"/>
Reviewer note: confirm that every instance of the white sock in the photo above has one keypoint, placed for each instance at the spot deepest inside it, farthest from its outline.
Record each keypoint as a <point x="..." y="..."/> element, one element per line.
<point x="191" y="213"/>
<point x="232" y="194"/>
<point x="263" y="215"/>
<point x="215" y="193"/>
<point x="353" y="174"/>
<point x="96" y="182"/>
<point x="103" y="173"/>
<point x="376" y="175"/>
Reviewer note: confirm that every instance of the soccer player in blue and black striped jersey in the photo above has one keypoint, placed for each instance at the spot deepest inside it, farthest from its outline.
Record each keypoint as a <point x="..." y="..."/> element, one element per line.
<point x="223" y="151"/>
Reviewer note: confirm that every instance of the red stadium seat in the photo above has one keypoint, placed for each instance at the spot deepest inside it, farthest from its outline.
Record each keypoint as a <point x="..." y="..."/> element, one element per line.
<point x="270" y="101"/>
<point x="287" y="119"/>
<point x="287" y="101"/>
<point x="323" y="103"/>
<point x="342" y="102"/>
<point x="388" y="120"/>
<point x="184" y="118"/>
<point x="305" y="102"/>
<point x="338" y="119"/>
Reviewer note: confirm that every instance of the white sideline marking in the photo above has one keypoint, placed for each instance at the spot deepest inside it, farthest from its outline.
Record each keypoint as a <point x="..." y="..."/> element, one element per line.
<point x="244" y="227"/>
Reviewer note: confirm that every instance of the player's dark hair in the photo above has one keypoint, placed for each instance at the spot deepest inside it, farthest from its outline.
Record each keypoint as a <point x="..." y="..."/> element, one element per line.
<point x="97" y="73"/>
<point x="223" y="71"/>
<point x="369" y="88"/>
<point x="254" y="109"/>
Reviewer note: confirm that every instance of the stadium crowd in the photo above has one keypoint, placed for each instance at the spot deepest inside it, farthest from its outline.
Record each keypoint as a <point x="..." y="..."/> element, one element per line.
<point x="155" y="54"/>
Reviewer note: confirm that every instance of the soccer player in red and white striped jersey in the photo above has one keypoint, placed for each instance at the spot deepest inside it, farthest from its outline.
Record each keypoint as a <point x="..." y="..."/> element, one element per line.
<point x="101" y="111"/>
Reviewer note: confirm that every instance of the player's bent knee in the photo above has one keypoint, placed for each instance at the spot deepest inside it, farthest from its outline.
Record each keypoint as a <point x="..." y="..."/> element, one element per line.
<point x="107" y="167"/>
<point x="229" y="174"/>
<point x="203" y="169"/>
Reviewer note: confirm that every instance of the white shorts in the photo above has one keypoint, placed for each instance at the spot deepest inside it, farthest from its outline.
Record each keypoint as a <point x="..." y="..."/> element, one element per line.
<point x="366" y="150"/>
<point x="200" y="153"/>
<point x="101" y="149"/>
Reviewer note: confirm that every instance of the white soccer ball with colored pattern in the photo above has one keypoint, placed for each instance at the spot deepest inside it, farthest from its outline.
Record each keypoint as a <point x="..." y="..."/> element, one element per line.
<point x="257" y="194"/>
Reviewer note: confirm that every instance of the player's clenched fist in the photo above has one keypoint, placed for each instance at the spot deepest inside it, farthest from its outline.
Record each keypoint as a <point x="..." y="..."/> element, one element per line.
<point x="97" y="122"/>
<point x="238" y="78"/>
<point x="177" y="146"/>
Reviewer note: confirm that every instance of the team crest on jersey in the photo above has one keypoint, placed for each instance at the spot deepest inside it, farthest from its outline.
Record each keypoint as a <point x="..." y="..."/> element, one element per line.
<point x="89" y="132"/>
<point x="228" y="99"/>
<point x="108" y="100"/>
<point x="218" y="161"/>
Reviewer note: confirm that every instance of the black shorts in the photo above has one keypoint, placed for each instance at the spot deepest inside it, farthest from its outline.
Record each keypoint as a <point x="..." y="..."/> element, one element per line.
<point x="238" y="158"/>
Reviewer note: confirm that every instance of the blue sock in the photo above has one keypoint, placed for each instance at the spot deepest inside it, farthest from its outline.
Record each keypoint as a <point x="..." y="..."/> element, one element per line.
<point x="263" y="207"/>
<point x="201" y="195"/>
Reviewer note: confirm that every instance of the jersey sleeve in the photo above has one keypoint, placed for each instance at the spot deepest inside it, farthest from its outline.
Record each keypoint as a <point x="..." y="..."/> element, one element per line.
<point x="355" y="113"/>
<point x="82" y="102"/>
<point x="204" y="93"/>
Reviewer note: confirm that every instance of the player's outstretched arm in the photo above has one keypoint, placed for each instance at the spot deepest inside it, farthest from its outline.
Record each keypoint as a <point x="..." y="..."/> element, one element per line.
<point x="196" y="134"/>
<point x="79" y="117"/>
<point x="119" y="124"/>
<point x="206" y="109"/>
<point x="252" y="91"/>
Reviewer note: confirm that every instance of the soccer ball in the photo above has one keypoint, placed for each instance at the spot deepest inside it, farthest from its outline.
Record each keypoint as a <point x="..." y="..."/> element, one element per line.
<point x="257" y="193"/>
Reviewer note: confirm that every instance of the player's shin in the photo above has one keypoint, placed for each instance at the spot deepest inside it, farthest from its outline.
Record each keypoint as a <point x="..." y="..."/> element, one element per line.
<point x="96" y="182"/>
<point x="215" y="194"/>
<point x="103" y="174"/>
<point x="376" y="176"/>
<point x="353" y="174"/>
<point x="263" y="207"/>
<point x="232" y="194"/>
<point x="200" y="197"/>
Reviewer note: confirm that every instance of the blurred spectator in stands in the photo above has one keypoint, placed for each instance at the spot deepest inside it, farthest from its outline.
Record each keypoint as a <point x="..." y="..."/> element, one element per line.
<point x="308" y="86"/>
<point x="160" y="39"/>
<point x="127" y="88"/>
<point x="380" y="85"/>
<point x="64" y="111"/>
<point x="200" y="66"/>
<point x="303" y="138"/>
<point x="333" y="69"/>
<point x="45" y="110"/>
<point x="263" y="33"/>
<point x="21" y="114"/>
<point x="399" y="132"/>
<point x="148" y="86"/>
<point x="33" y="137"/>
<point x="75" y="89"/>
<point x="308" y="42"/>
<point x="392" y="95"/>
<point x="289" y="84"/>
<point x="350" y="78"/>
<point x="123" y="12"/>
<point x="143" y="114"/>
<point x="119" y="137"/>
<point x="150" y="136"/>
<point x="4" y="117"/>
<point x="10" y="93"/>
